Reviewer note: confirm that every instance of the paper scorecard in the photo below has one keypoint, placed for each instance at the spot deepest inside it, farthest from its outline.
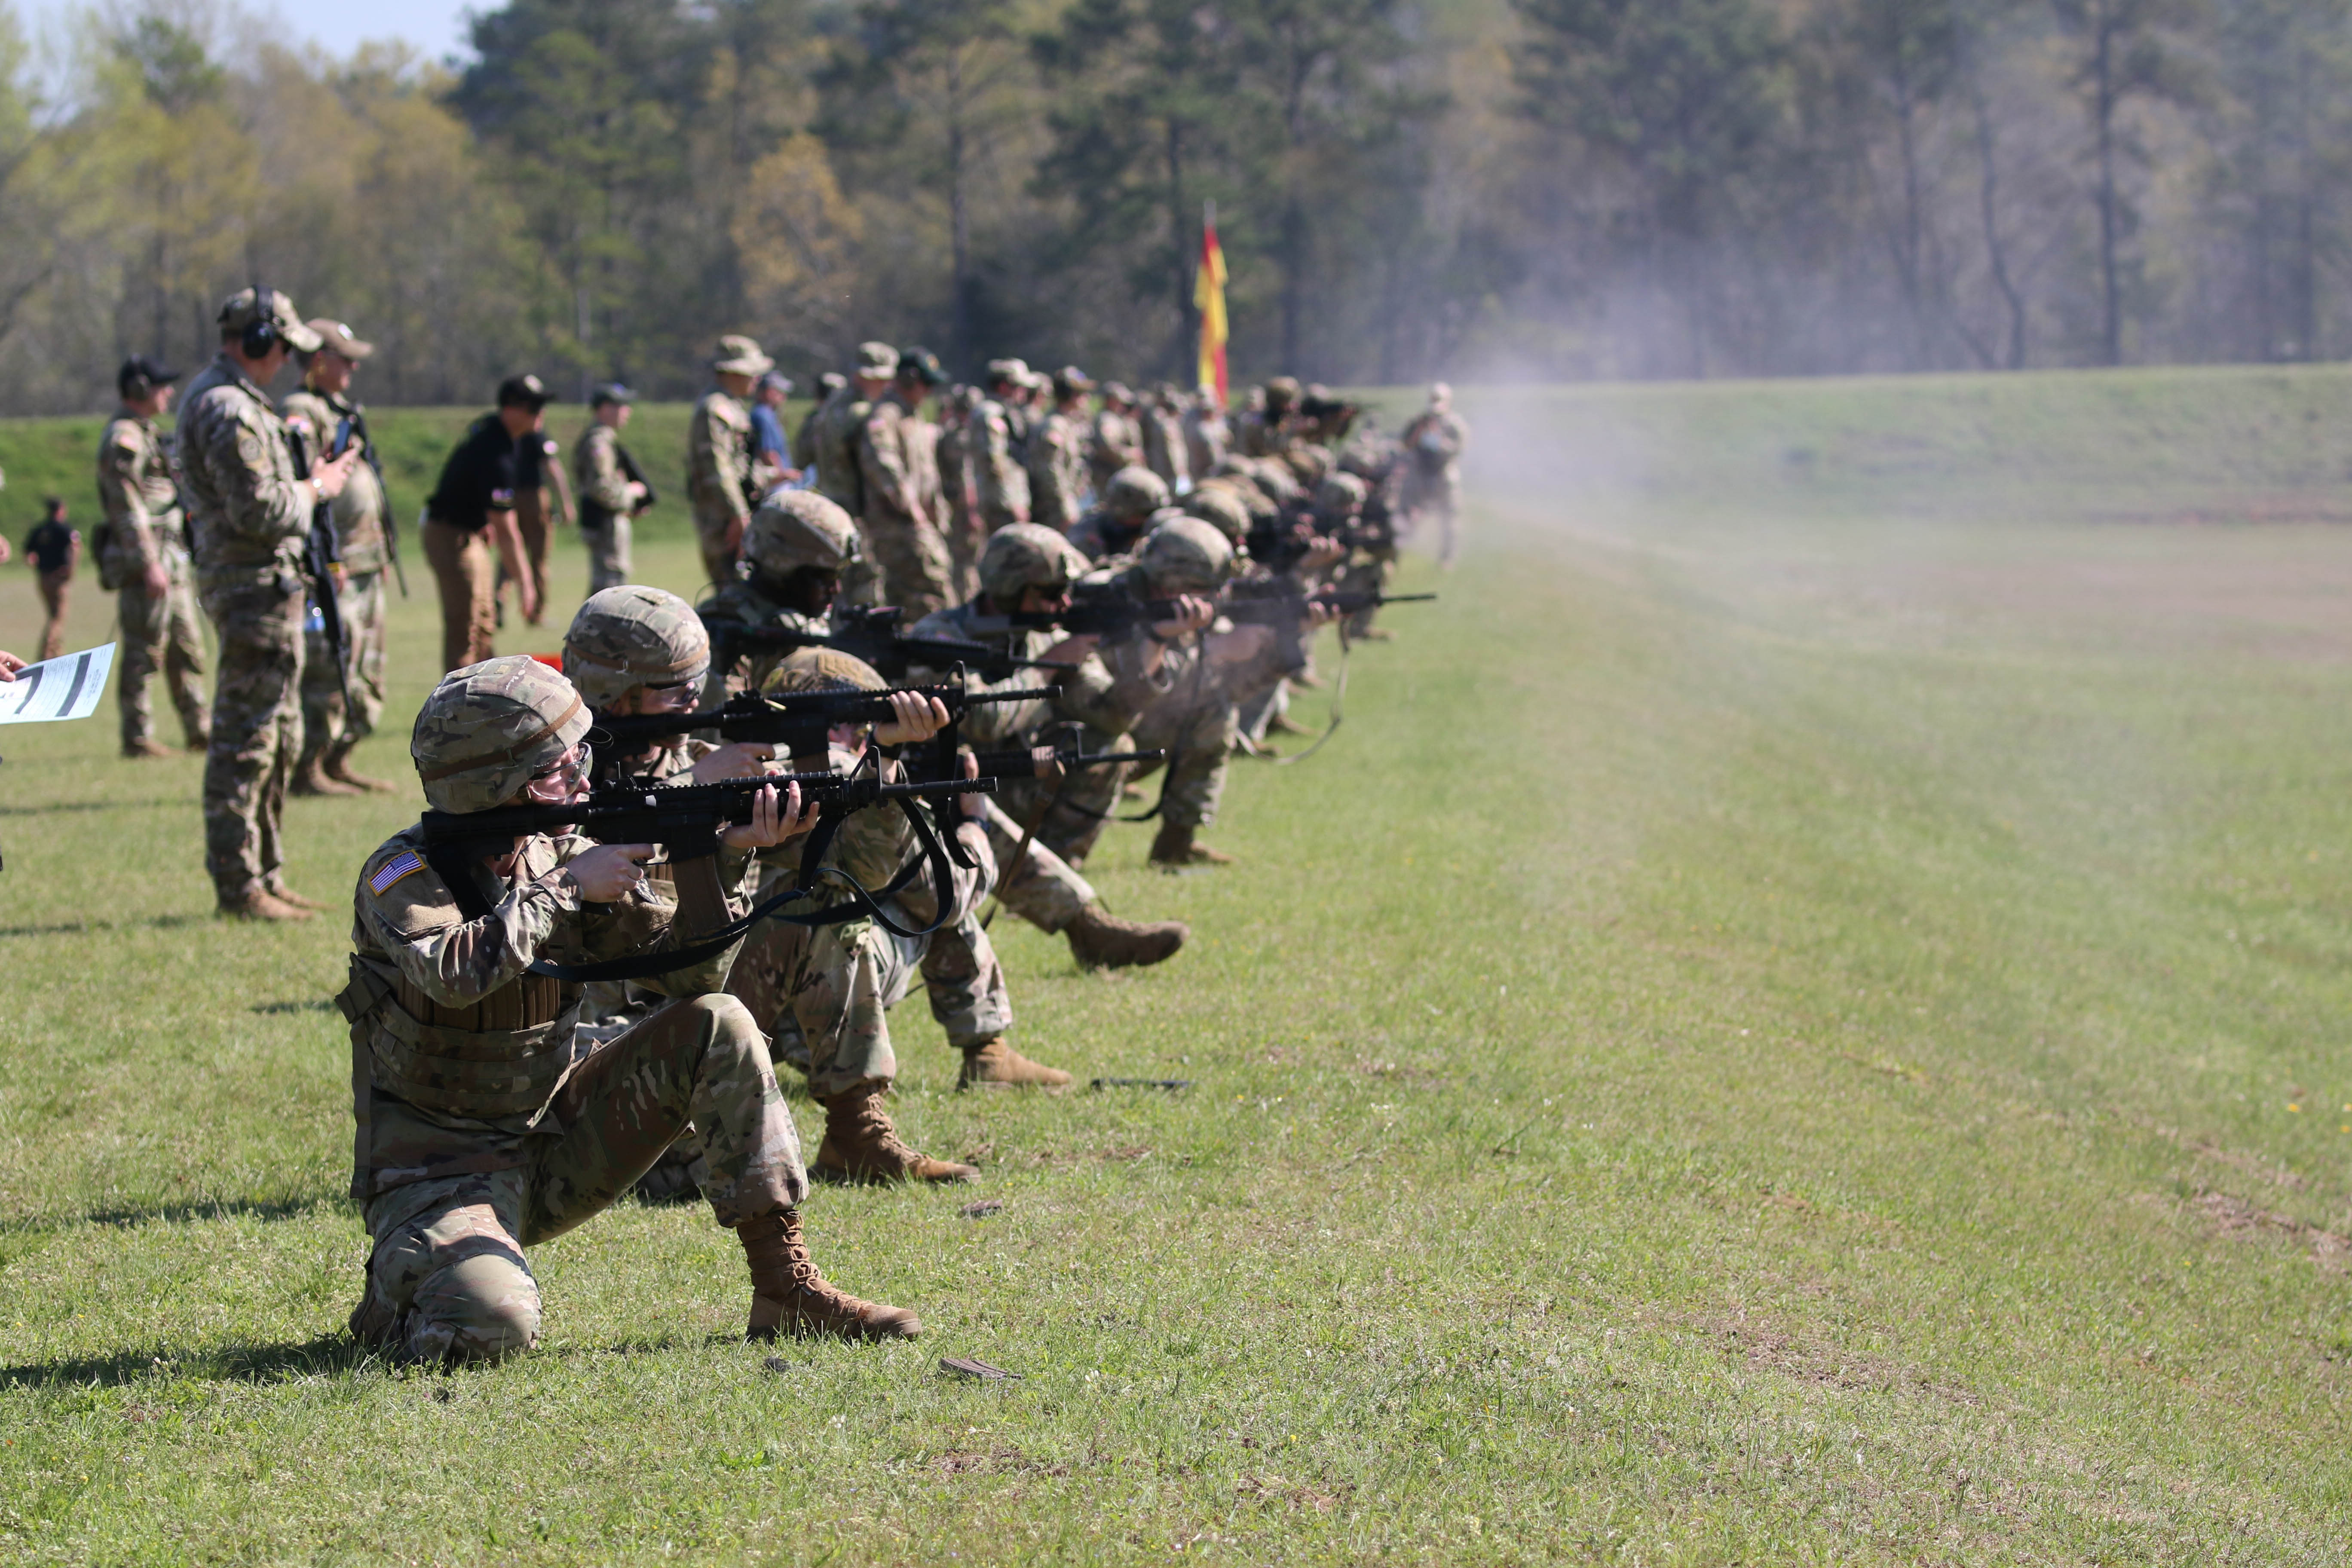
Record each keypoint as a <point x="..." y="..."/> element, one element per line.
<point x="57" y="689"/>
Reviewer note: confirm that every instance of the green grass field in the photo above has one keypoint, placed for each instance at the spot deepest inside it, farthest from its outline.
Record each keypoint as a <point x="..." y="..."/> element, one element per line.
<point x="1801" y="1019"/>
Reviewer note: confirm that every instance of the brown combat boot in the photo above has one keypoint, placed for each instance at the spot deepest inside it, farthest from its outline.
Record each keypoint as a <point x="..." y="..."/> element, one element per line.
<point x="1283" y="725"/>
<point x="1175" y="849"/>
<point x="1100" y="940"/>
<point x="312" y="779"/>
<point x="993" y="1064"/>
<point x="285" y="895"/>
<point x="339" y="768"/>
<point x="258" y="903"/>
<point x="862" y="1145"/>
<point x="790" y="1297"/>
<point x="140" y="751"/>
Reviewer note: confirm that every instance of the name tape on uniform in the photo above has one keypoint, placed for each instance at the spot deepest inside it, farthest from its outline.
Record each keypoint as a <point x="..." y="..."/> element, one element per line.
<point x="57" y="689"/>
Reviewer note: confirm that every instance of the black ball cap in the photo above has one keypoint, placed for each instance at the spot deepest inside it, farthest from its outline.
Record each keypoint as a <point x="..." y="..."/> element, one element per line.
<point x="920" y="365"/>
<point x="524" y="392"/>
<point x="610" y="392"/>
<point x="143" y="373"/>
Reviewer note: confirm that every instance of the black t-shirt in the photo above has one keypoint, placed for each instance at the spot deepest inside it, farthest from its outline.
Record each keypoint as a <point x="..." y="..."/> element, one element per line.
<point x="478" y="478"/>
<point x="533" y="453"/>
<point x="50" y="544"/>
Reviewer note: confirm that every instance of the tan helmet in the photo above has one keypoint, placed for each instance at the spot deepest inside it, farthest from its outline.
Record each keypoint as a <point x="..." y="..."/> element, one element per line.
<point x="1281" y="391"/>
<point x="1187" y="556"/>
<point x="794" y="528"/>
<point x="1026" y="555"/>
<point x="632" y="637"/>
<point x="1338" y="498"/>
<point x="488" y="728"/>
<point x="1307" y="464"/>
<point x="1134" y="493"/>
<point x="824" y="669"/>
<point x="1218" y="505"/>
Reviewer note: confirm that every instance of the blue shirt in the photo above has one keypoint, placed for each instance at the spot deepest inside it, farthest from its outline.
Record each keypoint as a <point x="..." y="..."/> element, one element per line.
<point x="767" y="432"/>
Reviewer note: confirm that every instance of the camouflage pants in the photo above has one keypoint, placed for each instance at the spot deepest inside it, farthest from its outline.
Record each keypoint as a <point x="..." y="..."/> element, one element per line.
<point x="608" y="553"/>
<point x="447" y="1279"/>
<point x="162" y="634"/>
<point x="1196" y="730"/>
<point x="1074" y="816"/>
<point x="1042" y="889"/>
<point x="967" y="536"/>
<point x="718" y="557"/>
<point x="917" y="570"/>
<point x="831" y="990"/>
<point x="467" y="578"/>
<point x="1436" y="496"/>
<point x="329" y="733"/>
<point x="256" y="729"/>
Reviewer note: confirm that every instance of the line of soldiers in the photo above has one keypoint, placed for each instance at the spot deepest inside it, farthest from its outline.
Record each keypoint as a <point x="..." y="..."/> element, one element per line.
<point x="541" y="1021"/>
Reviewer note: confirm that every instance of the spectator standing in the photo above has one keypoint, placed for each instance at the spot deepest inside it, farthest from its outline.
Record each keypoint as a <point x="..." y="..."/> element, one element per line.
<point x="53" y="550"/>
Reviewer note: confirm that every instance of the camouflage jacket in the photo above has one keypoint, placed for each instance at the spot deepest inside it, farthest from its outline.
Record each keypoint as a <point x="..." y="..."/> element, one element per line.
<point x="359" y="510"/>
<point x="889" y="464"/>
<point x="1436" y="440"/>
<point x="1258" y="434"/>
<point x="718" y="457"/>
<point x="741" y="603"/>
<point x="1206" y="439"/>
<point x="141" y="499"/>
<point x="838" y="425"/>
<point x="247" y="515"/>
<point x="952" y="461"/>
<point x="598" y="475"/>
<point x="1117" y="443"/>
<point x="1013" y="723"/>
<point x="1112" y="700"/>
<point x="998" y="478"/>
<point x="874" y="845"/>
<point x="1057" y="470"/>
<point x="1164" y="452"/>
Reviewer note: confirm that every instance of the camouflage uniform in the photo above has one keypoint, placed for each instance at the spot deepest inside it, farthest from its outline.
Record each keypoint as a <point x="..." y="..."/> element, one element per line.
<point x="793" y="531"/>
<point x="958" y="512"/>
<point x="1057" y="470"/>
<point x="1130" y="499"/>
<point x="718" y="478"/>
<point x="250" y="517"/>
<point x="1435" y="443"/>
<point x="1206" y="435"/>
<point x="1165" y="452"/>
<point x="1186" y="709"/>
<point x="1117" y="440"/>
<point x="605" y="507"/>
<point x="144" y="528"/>
<point x="894" y="466"/>
<point x="997" y="476"/>
<point x="1271" y="431"/>
<point x="328" y="733"/>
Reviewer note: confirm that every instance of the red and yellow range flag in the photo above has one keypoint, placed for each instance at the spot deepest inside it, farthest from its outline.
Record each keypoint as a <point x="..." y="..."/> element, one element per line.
<point x="1209" y="297"/>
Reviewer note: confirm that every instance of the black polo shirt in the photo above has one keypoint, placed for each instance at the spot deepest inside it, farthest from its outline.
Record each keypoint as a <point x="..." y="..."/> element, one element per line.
<point x="478" y="478"/>
<point x="533" y="453"/>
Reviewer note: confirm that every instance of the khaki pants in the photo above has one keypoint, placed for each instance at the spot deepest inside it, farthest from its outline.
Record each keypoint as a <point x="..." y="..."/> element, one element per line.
<point x="532" y="522"/>
<point x="463" y="564"/>
<point x="53" y="599"/>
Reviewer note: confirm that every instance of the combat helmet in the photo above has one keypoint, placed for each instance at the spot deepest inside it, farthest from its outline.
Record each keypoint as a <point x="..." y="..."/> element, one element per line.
<point x="824" y="669"/>
<point x="1133" y="494"/>
<point x="1023" y="555"/>
<point x="1281" y="394"/>
<point x="490" y="728"/>
<point x="1218" y="505"/>
<point x="631" y="636"/>
<point x="1187" y="556"/>
<point x="1339" y="497"/>
<point x="796" y="529"/>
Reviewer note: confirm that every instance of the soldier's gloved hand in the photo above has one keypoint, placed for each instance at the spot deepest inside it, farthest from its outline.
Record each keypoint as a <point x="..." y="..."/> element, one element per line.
<point x="916" y="719"/>
<point x="158" y="582"/>
<point x="610" y="872"/>
<point x="735" y="760"/>
<point x="772" y="820"/>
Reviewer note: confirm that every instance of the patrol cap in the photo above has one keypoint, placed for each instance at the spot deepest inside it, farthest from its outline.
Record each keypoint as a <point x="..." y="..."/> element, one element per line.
<point x="141" y="375"/>
<point x="610" y="392"/>
<point x="920" y="365"/>
<point x="1187" y="556"/>
<point x="1012" y="370"/>
<point x="797" y="529"/>
<point x="242" y="309"/>
<point x="739" y="355"/>
<point x="824" y="669"/>
<point x="632" y="637"/>
<point x="1071" y="381"/>
<point x="877" y="361"/>
<point x="487" y="728"/>
<point x="773" y="380"/>
<point x="524" y="392"/>
<point x="337" y="338"/>
<point x="1134" y="493"/>
<point x="1023" y="556"/>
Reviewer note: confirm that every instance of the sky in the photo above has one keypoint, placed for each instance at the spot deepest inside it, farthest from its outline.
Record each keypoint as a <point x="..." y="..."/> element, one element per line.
<point x="436" y="28"/>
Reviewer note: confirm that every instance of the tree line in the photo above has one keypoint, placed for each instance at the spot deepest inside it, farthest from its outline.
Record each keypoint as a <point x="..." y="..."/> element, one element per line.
<point x="1404" y="188"/>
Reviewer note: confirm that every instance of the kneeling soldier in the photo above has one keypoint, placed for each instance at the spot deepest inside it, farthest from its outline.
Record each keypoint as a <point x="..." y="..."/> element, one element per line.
<point x="481" y="1126"/>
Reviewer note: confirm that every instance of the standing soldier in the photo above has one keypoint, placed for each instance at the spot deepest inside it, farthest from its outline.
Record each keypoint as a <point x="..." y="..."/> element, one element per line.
<point x="1164" y="451"/>
<point x="839" y="479"/>
<point x="804" y="452"/>
<point x="142" y="550"/>
<point x="326" y="418"/>
<point x="958" y="502"/>
<point x="901" y="534"/>
<point x="613" y="489"/>
<point x="1116" y="441"/>
<point x="1057" y="454"/>
<point x="251" y="519"/>
<point x="1206" y="435"/>
<point x="718" y="456"/>
<point x="471" y="514"/>
<point x="1433" y="444"/>
<point x="1000" y="481"/>
<point x="1270" y="431"/>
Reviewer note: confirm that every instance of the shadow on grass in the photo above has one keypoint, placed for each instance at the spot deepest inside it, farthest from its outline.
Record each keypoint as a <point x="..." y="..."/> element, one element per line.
<point x="53" y="807"/>
<point x="323" y="1004"/>
<point x="81" y="928"/>
<point x="327" y="1355"/>
<point x="178" y="1213"/>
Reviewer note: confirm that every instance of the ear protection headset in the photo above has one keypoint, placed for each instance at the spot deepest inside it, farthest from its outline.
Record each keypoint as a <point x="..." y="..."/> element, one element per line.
<point x="261" y="332"/>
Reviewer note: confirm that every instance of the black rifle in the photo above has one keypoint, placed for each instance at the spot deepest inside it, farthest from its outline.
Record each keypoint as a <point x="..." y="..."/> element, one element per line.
<point x="1011" y="764"/>
<point x="687" y="820"/>
<point x="391" y="518"/>
<point x="1276" y="604"/>
<point x="322" y="555"/>
<point x="873" y="634"/>
<point x="1282" y="604"/>
<point x="793" y="721"/>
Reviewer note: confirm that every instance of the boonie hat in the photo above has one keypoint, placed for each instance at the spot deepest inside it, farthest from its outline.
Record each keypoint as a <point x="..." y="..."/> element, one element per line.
<point x="739" y="355"/>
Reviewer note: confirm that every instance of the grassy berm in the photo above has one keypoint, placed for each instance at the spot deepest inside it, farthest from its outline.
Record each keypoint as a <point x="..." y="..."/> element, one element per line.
<point x="1800" y="1019"/>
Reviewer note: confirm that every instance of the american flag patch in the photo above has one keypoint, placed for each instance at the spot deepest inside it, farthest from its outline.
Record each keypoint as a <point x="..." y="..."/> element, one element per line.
<point x="393" y="870"/>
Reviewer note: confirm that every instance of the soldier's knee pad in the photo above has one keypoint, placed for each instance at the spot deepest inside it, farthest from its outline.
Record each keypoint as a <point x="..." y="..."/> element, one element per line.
<point x="483" y="1308"/>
